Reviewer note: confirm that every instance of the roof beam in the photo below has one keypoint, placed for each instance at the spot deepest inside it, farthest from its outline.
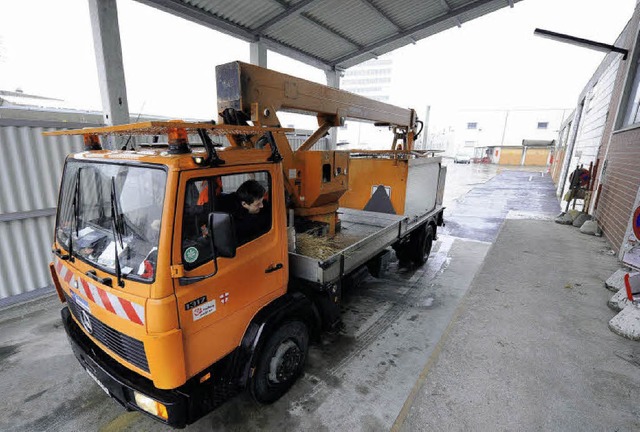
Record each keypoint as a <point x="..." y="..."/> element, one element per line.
<point x="328" y="29"/>
<point x="445" y="5"/>
<point x="386" y="16"/>
<point x="447" y="8"/>
<point x="408" y="32"/>
<point x="199" y="16"/>
<point x="281" y="3"/>
<point x="298" y="7"/>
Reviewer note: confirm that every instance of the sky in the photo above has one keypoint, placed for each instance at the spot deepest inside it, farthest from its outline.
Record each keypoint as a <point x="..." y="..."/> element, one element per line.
<point x="491" y="62"/>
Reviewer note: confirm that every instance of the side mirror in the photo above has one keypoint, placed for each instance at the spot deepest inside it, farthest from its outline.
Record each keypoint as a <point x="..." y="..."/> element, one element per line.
<point x="223" y="235"/>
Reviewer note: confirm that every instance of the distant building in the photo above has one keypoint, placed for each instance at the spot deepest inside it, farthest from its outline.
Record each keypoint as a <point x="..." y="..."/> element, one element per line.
<point x="20" y="99"/>
<point x="439" y="138"/>
<point x="371" y="79"/>
<point x="509" y="136"/>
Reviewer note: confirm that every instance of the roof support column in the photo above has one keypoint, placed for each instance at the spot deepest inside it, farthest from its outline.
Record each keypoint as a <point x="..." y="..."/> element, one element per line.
<point x="258" y="54"/>
<point x="333" y="80"/>
<point x="106" y="41"/>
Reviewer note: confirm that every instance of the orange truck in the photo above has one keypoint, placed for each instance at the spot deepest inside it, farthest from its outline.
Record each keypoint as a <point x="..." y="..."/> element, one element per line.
<point x="176" y="265"/>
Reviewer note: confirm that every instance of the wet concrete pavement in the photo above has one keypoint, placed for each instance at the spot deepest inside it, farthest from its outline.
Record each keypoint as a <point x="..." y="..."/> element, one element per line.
<point x="479" y="213"/>
<point x="461" y="178"/>
<point x="530" y="348"/>
<point x="359" y="380"/>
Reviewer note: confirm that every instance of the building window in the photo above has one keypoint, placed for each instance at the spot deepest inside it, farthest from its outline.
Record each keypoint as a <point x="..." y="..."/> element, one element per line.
<point x="472" y="125"/>
<point x="630" y="106"/>
<point x="543" y="125"/>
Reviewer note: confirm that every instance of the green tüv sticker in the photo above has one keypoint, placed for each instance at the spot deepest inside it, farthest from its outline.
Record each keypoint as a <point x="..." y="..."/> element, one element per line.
<point x="191" y="254"/>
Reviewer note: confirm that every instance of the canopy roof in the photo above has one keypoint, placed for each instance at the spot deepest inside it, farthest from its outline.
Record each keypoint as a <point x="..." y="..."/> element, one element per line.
<point x="331" y="34"/>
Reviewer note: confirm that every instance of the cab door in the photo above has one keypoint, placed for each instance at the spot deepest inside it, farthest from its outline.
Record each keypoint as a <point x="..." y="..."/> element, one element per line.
<point x="215" y="311"/>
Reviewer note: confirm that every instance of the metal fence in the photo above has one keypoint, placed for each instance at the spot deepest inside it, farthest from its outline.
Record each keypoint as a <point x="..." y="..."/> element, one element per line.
<point x="30" y="171"/>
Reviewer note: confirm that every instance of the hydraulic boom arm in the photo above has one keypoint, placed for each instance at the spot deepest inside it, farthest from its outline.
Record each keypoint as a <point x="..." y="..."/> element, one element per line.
<point x="262" y="92"/>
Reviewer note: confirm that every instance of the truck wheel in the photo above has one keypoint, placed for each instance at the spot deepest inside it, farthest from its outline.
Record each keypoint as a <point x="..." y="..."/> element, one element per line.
<point x="280" y="362"/>
<point x="421" y="243"/>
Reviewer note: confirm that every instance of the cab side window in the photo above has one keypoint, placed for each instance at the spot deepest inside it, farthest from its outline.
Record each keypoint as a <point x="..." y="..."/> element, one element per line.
<point x="247" y="198"/>
<point x="196" y="244"/>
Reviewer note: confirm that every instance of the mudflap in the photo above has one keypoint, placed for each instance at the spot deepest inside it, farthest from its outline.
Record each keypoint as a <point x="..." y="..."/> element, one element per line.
<point x="326" y="299"/>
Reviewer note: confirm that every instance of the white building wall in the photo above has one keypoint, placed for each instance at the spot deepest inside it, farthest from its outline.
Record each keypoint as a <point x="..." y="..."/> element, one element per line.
<point x="592" y="122"/>
<point x="496" y="128"/>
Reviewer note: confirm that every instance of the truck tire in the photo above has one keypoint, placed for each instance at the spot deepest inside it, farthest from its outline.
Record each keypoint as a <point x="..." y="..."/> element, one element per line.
<point x="280" y="362"/>
<point x="403" y="254"/>
<point x="421" y="243"/>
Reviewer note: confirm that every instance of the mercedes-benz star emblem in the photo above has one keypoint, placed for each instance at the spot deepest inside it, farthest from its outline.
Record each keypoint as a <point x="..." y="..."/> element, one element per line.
<point x="86" y="321"/>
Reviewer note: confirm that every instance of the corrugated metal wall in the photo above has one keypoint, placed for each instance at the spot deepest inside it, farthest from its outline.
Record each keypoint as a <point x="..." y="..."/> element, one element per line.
<point x="30" y="170"/>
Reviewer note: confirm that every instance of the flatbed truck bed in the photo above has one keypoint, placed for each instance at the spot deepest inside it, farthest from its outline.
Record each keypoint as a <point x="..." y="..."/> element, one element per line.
<point x="377" y="231"/>
<point x="372" y="232"/>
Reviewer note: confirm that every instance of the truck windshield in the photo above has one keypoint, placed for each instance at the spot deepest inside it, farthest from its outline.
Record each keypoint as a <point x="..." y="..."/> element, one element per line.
<point x="94" y="223"/>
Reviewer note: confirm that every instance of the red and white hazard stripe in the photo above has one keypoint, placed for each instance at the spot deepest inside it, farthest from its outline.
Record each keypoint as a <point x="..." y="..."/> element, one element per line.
<point x="126" y="309"/>
<point x="64" y="273"/>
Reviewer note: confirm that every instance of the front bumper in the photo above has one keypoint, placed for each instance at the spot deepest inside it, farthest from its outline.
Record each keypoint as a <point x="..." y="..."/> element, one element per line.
<point x="119" y="381"/>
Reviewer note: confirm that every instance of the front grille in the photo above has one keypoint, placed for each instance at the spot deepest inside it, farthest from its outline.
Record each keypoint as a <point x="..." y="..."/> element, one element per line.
<point x="129" y="349"/>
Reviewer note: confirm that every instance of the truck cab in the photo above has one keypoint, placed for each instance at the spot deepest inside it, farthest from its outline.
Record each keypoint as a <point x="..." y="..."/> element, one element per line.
<point x="159" y="292"/>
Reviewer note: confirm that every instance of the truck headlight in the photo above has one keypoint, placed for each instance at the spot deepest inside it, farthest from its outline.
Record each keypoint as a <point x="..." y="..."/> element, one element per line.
<point x="151" y="406"/>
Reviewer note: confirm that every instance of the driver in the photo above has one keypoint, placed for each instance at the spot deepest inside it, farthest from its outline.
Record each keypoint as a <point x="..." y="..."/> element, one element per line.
<point x="250" y="218"/>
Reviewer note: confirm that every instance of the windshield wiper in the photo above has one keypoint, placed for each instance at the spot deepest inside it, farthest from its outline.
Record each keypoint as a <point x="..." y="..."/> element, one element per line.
<point x="116" y="227"/>
<point x="76" y="214"/>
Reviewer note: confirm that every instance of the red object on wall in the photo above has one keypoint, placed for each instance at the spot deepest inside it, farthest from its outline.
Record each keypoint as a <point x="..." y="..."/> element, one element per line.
<point x="635" y="223"/>
<point x="497" y="152"/>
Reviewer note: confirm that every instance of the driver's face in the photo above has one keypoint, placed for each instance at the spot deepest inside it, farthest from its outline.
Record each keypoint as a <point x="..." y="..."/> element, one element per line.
<point x="254" y="207"/>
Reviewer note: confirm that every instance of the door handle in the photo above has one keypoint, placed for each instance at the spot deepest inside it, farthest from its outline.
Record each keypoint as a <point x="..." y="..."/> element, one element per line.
<point x="273" y="268"/>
